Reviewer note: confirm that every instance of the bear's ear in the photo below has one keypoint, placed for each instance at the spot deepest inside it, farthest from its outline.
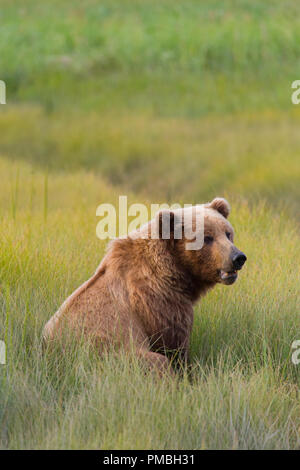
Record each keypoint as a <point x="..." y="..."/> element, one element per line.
<point x="166" y="224"/>
<point x="220" y="205"/>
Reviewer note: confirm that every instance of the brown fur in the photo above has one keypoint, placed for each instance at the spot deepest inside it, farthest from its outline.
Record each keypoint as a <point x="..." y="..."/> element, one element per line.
<point x="144" y="290"/>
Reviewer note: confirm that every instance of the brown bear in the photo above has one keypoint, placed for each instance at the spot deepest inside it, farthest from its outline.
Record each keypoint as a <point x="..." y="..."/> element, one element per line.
<point x="142" y="293"/>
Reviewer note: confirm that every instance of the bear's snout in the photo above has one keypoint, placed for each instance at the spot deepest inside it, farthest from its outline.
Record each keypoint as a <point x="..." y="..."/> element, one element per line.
<point x="238" y="259"/>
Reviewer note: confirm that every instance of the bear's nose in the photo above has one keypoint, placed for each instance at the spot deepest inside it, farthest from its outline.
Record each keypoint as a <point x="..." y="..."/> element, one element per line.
<point x="238" y="260"/>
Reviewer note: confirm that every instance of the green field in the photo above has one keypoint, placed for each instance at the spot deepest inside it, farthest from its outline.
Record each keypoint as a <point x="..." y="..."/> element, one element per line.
<point x="164" y="101"/>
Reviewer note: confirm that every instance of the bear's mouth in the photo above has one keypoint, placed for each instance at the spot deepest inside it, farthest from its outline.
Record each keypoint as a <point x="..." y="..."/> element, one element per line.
<point x="228" y="277"/>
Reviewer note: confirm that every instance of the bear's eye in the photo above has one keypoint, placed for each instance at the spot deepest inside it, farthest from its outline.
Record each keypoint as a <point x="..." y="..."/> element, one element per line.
<point x="208" y="239"/>
<point x="228" y="234"/>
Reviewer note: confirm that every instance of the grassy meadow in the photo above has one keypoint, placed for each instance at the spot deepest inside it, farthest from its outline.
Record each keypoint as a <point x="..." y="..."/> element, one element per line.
<point x="164" y="101"/>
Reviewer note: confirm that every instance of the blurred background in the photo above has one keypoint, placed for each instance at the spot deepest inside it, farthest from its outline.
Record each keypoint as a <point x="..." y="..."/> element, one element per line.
<point x="176" y="101"/>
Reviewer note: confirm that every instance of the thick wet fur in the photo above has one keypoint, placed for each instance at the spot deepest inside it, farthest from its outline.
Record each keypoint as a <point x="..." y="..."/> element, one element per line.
<point x="143" y="292"/>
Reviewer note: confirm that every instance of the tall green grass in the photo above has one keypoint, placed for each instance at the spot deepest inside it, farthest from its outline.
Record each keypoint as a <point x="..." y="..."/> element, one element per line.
<point x="255" y="155"/>
<point x="243" y="388"/>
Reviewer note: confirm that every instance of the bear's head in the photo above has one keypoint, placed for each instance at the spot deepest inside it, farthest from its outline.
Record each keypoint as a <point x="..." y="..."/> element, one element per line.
<point x="217" y="259"/>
